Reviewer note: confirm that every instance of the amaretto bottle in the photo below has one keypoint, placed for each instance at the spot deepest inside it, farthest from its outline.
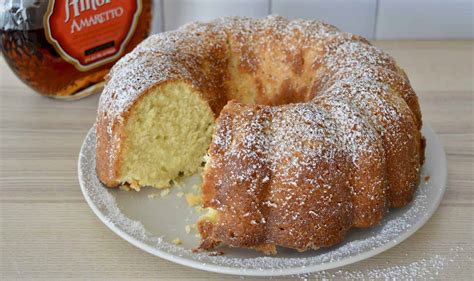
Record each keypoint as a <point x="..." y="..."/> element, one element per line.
<point x="64" y="48"/>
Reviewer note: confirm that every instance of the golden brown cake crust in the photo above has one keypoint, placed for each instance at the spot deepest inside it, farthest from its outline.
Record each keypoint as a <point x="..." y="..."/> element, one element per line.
<point x="333" y="140"/>
<point x="164" y="58"/>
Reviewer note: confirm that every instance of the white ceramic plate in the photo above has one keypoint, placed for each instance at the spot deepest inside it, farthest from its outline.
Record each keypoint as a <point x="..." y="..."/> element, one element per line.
<point x="152" y="223"/>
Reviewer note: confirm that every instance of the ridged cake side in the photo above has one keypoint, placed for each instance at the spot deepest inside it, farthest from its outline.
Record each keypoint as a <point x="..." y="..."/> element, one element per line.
<point x="301" y="175"/>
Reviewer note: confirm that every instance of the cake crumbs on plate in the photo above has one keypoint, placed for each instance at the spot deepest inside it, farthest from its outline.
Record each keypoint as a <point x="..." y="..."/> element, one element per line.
<point x="215" y="253"/>
<point x="152" y="195"/>
<point x="187" y="228"/>
<point x="427" y="178"/>
<point x="193" y="199"/>
<point x="177" y="183"/>
<point x="180" y="194"/>
<point x="135" y="185"/>
<point x="125" y="187"/>
<point x="176" y="241"/>
<point x="164" y="192"/>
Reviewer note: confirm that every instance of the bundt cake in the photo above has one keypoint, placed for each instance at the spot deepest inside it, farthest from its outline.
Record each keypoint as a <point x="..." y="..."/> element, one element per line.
<point x="309" y="131"/>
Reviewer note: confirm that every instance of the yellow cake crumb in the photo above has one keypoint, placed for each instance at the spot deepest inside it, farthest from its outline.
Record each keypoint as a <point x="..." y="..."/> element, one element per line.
<point x="177" y="184"/>
<point x="153" y="195"/>
<point x="180" y="194"/>
<point x="211" y="215"/>
<point x="198" y="209"/>
<point x="176" y="241"/>
<point x="187" y="228"/>
<point x="135" y="185"/>
<point x="164" y="192"/>
<point x="193" y="199"/>
<point x="125" y="187"/>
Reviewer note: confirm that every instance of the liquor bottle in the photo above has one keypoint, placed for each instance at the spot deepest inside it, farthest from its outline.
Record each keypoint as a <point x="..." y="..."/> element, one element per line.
<point x="64" y="48"/>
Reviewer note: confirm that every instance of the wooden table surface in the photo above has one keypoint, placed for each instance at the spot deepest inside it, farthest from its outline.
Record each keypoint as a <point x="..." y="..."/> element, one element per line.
<point x="47" y="230"/>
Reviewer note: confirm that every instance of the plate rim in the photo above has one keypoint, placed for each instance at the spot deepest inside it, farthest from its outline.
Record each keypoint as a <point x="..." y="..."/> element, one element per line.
<point x="272" y="272"/>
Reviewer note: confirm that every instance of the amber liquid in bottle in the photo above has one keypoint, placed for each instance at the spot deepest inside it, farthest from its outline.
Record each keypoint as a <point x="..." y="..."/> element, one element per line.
<point x="36" y="62"/>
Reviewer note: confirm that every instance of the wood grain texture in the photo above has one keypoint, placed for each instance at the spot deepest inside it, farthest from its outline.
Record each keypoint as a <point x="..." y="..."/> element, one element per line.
<point x="48" y="232"/>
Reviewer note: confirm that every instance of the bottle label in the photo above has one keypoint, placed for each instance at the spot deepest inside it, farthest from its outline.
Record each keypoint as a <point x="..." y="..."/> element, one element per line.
<point x="90" y="33"/>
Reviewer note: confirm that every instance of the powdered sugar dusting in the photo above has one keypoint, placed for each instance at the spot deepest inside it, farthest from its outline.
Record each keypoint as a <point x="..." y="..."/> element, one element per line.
<point x="175" y="54"/>
<point x="393" y="228"/>
<point x="355" y="133"/>
<point x="309" y="154"/>
<point x="424" y="268"/>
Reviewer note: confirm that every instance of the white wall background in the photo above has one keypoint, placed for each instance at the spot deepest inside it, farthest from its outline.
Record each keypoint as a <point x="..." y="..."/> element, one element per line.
<point x="374" y="19"/>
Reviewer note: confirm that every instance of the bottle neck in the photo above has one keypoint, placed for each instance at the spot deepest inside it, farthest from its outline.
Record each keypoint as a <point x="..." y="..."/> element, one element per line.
<point x="22" y="14"/>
